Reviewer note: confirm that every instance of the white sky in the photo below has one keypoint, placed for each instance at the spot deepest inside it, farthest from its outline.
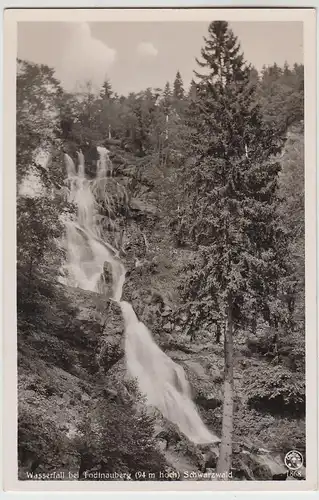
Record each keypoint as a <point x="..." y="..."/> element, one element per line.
<point x="139" y="55"/>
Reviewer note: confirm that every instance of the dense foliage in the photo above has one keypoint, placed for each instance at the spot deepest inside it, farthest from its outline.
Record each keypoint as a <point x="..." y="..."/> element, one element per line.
<point x="118" y="436"/>
<point x="208" y="214"/>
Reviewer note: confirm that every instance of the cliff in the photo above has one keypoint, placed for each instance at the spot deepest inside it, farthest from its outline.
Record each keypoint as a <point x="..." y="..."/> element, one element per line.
<point x="72" y="358"/>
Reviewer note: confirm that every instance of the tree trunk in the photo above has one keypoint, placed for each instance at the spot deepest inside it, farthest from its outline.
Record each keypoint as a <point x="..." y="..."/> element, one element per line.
<point x="218" y="332"/>
<point x="225" y="451"/>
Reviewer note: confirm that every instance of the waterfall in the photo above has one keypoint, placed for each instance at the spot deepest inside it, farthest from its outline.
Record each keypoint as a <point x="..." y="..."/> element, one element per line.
<point x="160" y="379"/>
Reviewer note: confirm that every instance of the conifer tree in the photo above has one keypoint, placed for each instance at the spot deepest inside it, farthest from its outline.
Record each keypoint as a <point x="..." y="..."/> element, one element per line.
<point x="178" y="87"/>
<point x="192" y="90"/>
<point x="282" y="89"/>
<point x="230" y="202"/>
<point x="106" y="91"/>
<point x="167" y="97"/>
<point x="254" y="76"/>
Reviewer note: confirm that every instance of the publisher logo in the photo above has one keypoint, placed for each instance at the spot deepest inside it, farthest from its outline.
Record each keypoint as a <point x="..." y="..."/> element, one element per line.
<point x="293" y="460"/>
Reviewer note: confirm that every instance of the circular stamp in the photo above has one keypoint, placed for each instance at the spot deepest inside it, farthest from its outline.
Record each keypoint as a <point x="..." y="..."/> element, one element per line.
<point x="293" y="460"/>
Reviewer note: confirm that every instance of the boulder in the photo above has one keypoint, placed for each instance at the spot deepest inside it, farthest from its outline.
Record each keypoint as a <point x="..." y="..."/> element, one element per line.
<point x="143" y="207"/>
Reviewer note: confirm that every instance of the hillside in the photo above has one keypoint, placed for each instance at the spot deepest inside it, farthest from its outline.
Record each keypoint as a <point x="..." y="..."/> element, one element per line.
<point x="80" y="412"/>
<point x="72" y="357"/>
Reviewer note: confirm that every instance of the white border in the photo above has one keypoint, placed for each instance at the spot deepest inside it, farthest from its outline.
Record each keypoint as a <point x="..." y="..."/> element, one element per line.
<point x="10" y="45"/>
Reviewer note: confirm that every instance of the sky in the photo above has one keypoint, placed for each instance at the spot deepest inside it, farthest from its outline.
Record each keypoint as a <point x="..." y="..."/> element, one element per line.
<point x="137" y="55"/>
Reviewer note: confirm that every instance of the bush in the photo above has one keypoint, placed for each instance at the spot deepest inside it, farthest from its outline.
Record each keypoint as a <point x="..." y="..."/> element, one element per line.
<point x="54" y="351"/>
<point x="260" y="344"/>
<point x="278" y="391"/>
<point x="274" y="433"/>
<point x="290" y="347"/>
<point x="111" y="351"/>
<point x="286" y="435"/>
<point x="41" y="445"/>
<point x="118" y="435"/>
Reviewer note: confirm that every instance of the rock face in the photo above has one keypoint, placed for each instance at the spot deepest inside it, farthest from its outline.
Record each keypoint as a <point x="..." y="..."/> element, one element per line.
<point x="76" y="356"/>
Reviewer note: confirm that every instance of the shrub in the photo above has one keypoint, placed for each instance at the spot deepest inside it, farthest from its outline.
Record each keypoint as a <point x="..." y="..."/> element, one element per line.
<point x="285" y="435"/>
<point x="54" y="351"/>
<point x="118" y="435"/>
<point x="42" y="446"/>
<point x="291" y="349"/>
<point x="260" y="344"/>
<point x="275" y="433"/>
<point x="278" y="391"/>
<point x="111" y="351"/>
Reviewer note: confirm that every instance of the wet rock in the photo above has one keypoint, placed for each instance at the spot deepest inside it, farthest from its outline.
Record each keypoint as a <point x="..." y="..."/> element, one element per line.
<point x="241" y="474"/>
<point x="140" y="206"/>
<point x="206" y="393"/>
<point x="162" y="444"/>
<point x="168" y="326"/>
<point x="111" y="352"/>
<point x="110" y="394"/>
<point x="210" y="461"/>
<point x="280" y="477"/>
<point x="85" y="397"/>
<point x="166" y="313"/>
<point x="170" y="435"/>
<point x="208" y="402"/>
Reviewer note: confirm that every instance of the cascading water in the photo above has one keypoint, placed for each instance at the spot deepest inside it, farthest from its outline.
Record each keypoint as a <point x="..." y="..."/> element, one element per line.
<point x="161" y="380"/>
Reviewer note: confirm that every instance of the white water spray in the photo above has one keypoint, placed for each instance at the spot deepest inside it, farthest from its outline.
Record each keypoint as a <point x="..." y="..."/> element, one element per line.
<point x="162" y="381"/>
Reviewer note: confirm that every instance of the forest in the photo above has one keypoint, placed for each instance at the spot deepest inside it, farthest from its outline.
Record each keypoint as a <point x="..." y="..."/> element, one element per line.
<point x="207" y="193"/>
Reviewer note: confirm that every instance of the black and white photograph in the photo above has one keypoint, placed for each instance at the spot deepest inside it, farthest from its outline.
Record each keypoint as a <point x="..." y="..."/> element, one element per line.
<point x="160" y="262"/>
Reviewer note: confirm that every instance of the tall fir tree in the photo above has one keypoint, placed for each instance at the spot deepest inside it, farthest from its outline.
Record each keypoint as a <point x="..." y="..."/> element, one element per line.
<point x="230" y="202"/>
<point x="271" y="73"/>
<point x="221" y="55"/>
<point x="178" y="87"/>
<point x="167" y="97"/>
<point x="106" y="90"/>
<point x="254" y="76"/>
<point x="192" y="91"/>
